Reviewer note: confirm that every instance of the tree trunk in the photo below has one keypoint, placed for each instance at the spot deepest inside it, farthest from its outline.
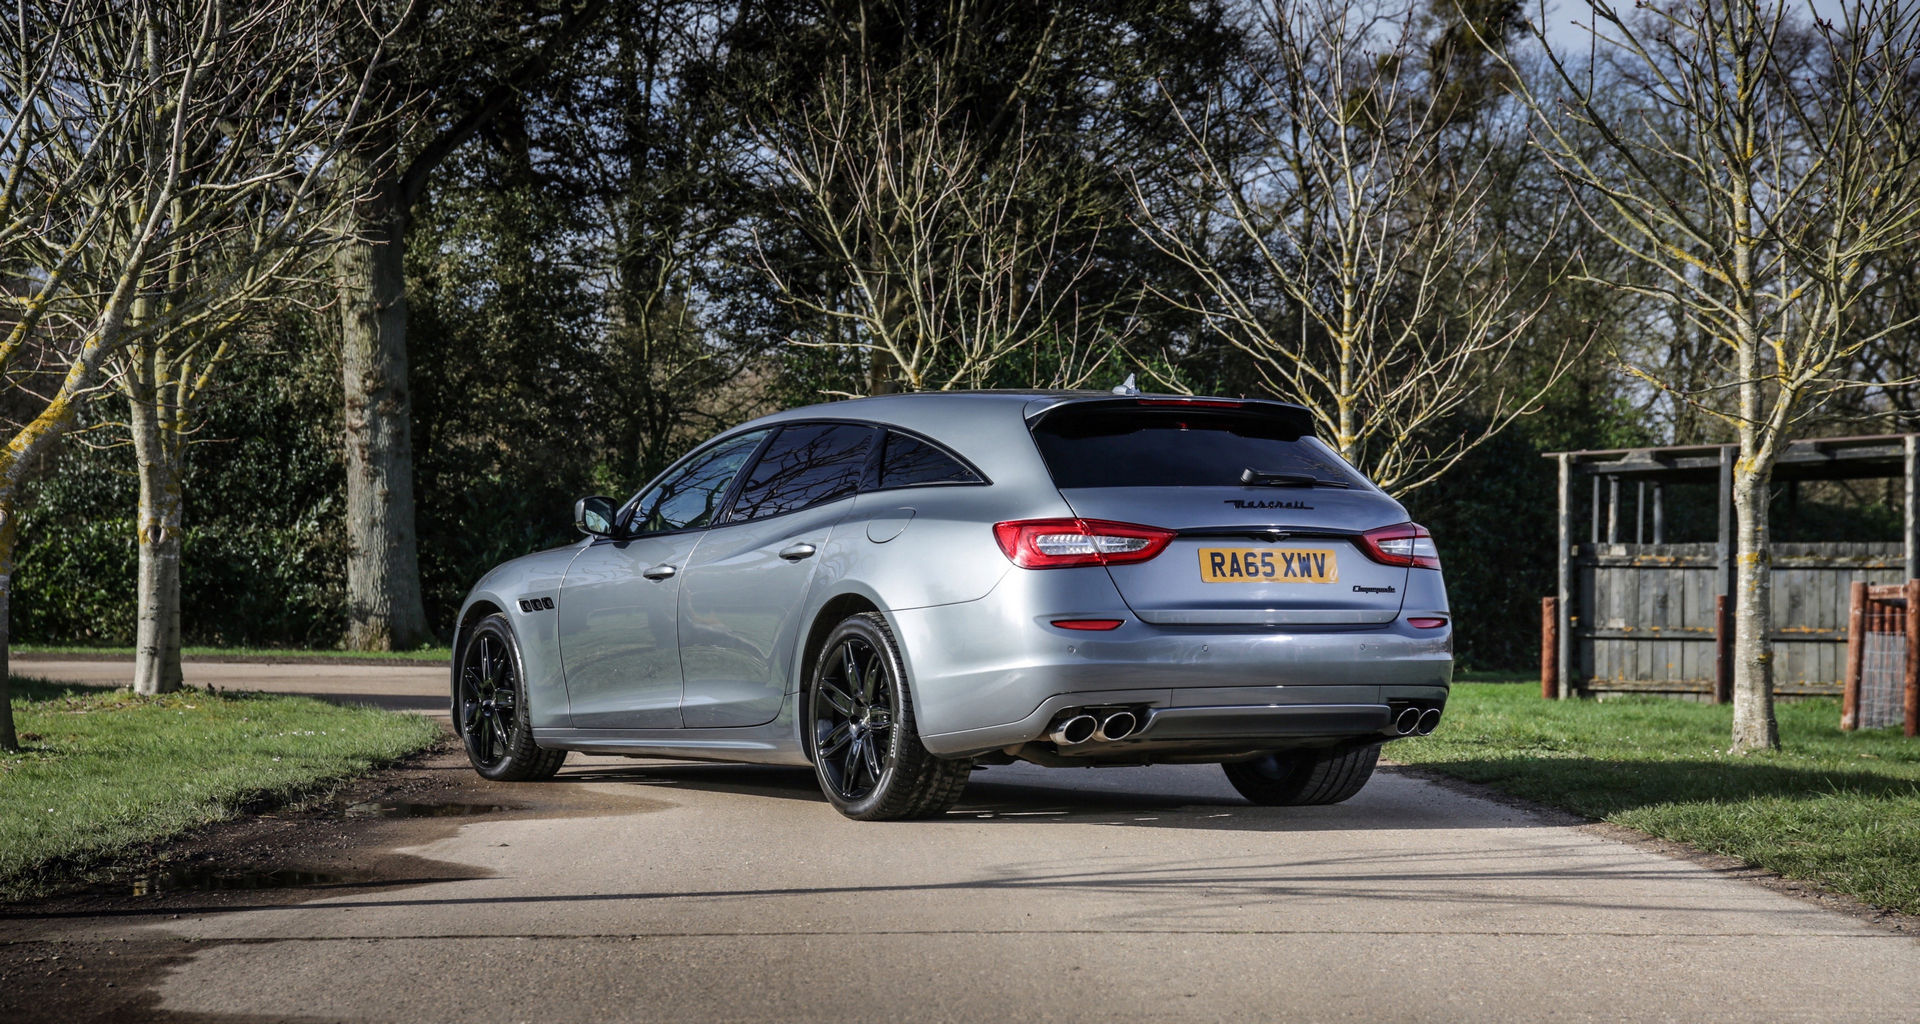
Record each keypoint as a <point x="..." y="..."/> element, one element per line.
<point x="880" y="374"/>
<point x="384" y="610"/>
<point x="156" y="447"/>
<point x="9" y="740"/>
<point x="1754" y="727"/>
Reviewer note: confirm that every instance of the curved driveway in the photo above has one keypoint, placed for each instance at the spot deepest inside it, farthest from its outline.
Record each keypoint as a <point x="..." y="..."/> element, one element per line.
<point x="690" y="893"/>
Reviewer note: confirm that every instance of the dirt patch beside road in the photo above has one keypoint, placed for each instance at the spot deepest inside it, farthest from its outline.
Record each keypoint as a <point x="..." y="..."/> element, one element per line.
<point x="333" y="843"/>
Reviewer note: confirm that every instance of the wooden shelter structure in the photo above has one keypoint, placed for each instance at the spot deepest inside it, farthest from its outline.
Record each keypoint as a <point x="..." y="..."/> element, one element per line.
<point x="1635" y="613"/>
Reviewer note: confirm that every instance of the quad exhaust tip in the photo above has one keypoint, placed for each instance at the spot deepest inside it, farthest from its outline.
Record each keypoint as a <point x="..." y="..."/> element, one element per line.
<point x="1105" y="726"/>
<point x="1074" y="729"/>
<point x="1117" y="726"/>
<point x="1416" y="721"/>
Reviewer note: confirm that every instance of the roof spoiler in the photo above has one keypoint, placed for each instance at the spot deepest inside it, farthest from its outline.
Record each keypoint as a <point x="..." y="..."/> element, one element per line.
<point x="1294" y="418"/>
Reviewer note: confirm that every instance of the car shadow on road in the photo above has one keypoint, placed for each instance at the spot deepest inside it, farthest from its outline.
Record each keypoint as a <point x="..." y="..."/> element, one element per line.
<point x="1039" y="797"/>
<point x="1534" y="876"/>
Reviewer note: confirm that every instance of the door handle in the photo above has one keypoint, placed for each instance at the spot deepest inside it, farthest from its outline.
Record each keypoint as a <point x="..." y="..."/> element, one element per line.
<point x="659" y="572"/>
<point x="797" y="552"/>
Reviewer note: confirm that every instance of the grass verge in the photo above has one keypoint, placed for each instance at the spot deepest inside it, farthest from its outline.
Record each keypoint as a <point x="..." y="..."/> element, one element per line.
<point x="1840" y="809"/>
<point x="105" y="770"/>
<point x="435" y="655"/>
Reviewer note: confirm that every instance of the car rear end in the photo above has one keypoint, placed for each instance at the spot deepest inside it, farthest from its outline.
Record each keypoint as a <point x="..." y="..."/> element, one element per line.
<point x="1221" y="583"/>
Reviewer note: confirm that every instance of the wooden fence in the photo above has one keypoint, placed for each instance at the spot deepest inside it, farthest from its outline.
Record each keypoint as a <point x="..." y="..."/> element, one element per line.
<point x="1644" y="615"/>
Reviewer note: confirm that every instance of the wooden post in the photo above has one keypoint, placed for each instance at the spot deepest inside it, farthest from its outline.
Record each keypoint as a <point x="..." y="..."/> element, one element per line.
<point x="1613" y="510"/>
<point x="1563" y="603"/>
<point x="1913" y="658"/>
<point x="1640" y="514"/>
<point x="1722" y="649"/>
<point x="1659" y="513"/>
<point x="1596" y="508"/>
<point x="1550" y="648"/>
<point x="1856" y="655"/>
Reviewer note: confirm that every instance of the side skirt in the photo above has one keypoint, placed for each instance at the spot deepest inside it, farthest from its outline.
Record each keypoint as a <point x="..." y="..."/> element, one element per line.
<point x="757" y="745"/>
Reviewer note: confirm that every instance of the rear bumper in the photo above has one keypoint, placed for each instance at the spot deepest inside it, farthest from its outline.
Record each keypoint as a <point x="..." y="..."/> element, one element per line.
<point x="1237" y="722"/>
<point x="1318" y="719"/>
<point x="989" y="675"/>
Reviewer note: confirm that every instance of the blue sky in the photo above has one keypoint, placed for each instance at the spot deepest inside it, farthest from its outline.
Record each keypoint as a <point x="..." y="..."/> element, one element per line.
<point x="1568" y="37"/>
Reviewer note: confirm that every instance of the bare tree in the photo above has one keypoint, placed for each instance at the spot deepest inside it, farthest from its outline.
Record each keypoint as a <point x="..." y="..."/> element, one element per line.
<point x="1891" y="361"/>
<point x="250" y="226"/>
<point x="137" y="137"/>
<point x="1796" y="147"/>
<point x="1347" y="255"/>
<point x="947" y="255"/>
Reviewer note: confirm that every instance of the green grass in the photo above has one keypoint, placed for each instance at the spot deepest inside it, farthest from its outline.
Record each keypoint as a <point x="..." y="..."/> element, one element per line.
<point x="105" y="770"/>
<point x="423" y="654"/>
<point x="1835" y="808"/>
<point x="1476" y="676"/>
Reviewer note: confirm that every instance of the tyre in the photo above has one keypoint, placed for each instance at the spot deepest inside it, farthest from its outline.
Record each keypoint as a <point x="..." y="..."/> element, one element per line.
<point x="490" y="710"/>
<point x="866" y="748"/>
<point x="1304" y="778"/>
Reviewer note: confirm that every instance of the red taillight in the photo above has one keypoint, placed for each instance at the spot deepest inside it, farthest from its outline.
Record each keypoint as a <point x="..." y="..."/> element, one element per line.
<point x="1407" y="544"/>
<point x="1060" y="543"/>
<point x="1092" y="625"/>
<point x="1424" y="623"/>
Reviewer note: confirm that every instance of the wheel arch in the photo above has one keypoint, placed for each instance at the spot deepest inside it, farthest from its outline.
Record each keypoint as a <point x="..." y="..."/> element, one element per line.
<point x="478" y="609"/>
<point x="475" y="610"/>
<point x="832" y="612"/>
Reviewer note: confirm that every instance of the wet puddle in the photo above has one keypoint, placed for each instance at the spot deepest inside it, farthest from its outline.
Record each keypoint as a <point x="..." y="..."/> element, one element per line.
<point x="406" y="809"/>
<point x="213" y="878"/>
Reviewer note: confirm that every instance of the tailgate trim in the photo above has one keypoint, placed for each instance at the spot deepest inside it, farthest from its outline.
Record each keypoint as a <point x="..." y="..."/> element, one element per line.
<point x="1265" y="617"/>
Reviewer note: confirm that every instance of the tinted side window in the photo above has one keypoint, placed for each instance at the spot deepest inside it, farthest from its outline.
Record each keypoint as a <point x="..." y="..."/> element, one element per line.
<point x="802" y="466"/>
<point x="688" y="499"/>
<point x="906" y="461"/>
<point x="1178" y="448"/>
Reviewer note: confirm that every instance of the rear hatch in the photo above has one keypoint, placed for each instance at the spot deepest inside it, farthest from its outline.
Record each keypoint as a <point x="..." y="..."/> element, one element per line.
<point x="1268" y="517"/>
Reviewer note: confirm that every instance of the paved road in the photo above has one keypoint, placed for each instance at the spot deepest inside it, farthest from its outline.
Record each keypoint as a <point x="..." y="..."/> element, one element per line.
<point x="402" y="687"/>
<point x="677" y="892"/>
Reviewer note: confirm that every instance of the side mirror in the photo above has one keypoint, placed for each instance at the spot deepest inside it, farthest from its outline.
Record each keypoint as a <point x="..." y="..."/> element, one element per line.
<point x="594" y="516"/>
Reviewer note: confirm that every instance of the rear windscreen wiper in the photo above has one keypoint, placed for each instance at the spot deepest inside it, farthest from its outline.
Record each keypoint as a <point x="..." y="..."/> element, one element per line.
<point x="1257" y="478"/>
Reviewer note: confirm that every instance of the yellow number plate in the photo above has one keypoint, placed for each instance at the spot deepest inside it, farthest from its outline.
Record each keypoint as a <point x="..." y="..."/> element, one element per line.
<point x="1267" y="565"/>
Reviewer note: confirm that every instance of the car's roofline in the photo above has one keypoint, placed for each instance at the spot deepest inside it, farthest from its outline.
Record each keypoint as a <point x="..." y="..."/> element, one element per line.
<point x="1035" y="401"/>
<point x="991" y="430"/>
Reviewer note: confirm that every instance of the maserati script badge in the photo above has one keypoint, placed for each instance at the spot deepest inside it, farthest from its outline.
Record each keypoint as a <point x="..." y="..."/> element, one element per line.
<point x="1243" y="503"/>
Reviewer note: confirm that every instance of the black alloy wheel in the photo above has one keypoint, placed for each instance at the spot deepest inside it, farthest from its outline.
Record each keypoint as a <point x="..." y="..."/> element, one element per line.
<point x="490" y="708"/>
<point x="489" y="701"/>
<point x="853" y="719"/>
<point x="866" y="750"/>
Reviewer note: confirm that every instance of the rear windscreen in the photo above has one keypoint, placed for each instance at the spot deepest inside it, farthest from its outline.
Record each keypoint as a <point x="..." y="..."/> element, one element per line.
<point x="1135" y="447"/>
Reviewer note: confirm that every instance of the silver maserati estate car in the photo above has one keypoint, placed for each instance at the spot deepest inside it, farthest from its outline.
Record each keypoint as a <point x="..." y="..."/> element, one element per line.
<point x="898" y="589"/>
